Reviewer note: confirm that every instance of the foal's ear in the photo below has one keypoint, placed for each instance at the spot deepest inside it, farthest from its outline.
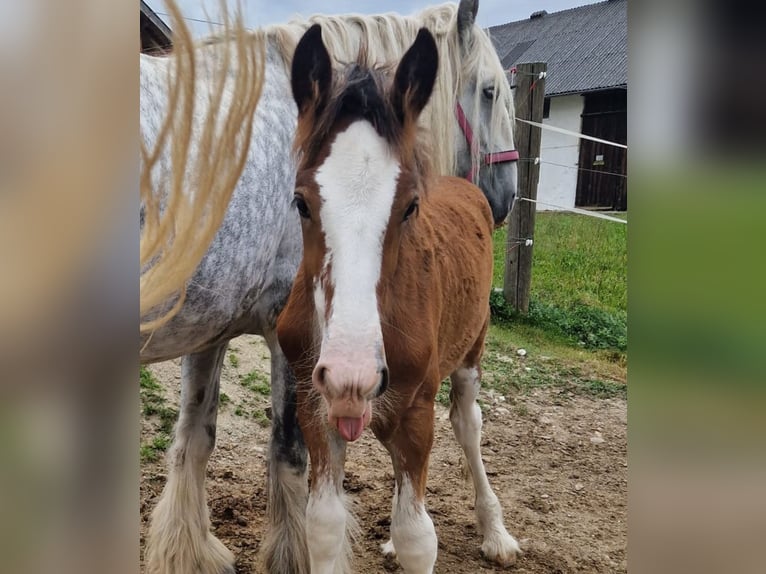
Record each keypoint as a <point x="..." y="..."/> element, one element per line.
<point x="415" y="77"/>
<point x="311" y="72"/>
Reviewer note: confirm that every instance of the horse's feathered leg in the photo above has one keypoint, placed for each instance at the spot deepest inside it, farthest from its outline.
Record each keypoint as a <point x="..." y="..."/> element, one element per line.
<point x="465" y="416"/>
<point x="180" y="541"/>
<point x="284" y="546"/>
<point x="413" y="537"/>
<point x="330" y="525"/>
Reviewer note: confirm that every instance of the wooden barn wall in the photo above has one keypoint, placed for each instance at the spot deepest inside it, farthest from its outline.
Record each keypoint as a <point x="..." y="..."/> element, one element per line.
<point x="599" y="183"/>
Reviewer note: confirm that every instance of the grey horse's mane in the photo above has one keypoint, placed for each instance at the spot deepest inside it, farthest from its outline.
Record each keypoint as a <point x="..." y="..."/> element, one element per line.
<point x="386" y="37"/>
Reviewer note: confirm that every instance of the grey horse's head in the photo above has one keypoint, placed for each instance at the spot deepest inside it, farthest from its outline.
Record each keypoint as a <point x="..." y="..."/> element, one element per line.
<point x="485" y="151"/>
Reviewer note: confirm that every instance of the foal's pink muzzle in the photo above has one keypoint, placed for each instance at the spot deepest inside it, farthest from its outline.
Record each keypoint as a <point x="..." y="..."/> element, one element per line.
<point x="349" y="382"/>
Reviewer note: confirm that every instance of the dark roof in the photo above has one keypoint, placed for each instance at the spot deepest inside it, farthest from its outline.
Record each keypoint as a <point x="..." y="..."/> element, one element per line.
<point x="156" y="37"/>
<point x="586" y="48"/>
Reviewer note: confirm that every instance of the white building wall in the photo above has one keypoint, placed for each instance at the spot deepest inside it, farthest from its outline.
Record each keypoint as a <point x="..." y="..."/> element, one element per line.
<point x="558" y="185"/>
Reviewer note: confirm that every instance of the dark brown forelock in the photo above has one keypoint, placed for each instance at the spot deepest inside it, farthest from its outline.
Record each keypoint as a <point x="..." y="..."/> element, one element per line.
<point x="360" y="92"/>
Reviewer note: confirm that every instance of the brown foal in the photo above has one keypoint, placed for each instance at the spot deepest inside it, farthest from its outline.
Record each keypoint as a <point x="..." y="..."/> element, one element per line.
<point x="392" y="296"/>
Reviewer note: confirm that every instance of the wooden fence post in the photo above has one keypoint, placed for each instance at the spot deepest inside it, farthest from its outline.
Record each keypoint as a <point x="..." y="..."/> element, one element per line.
<point x="529" y="100"/>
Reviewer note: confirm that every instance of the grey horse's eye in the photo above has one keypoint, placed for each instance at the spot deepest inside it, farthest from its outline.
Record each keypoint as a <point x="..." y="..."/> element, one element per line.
<point x="489" y="92"/>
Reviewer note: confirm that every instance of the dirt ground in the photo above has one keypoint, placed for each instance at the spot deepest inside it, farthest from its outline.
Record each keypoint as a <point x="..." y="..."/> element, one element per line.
<point x="557" y="461"/>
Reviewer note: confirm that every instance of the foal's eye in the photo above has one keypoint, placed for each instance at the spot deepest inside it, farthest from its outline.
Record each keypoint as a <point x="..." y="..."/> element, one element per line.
<point x="489" y="92"/>
<point x="412" y="208"/>
<point x="303" y="208"/>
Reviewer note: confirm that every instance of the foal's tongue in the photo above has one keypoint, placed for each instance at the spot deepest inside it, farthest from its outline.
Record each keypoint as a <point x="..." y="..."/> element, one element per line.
<point x="350" y="428"/>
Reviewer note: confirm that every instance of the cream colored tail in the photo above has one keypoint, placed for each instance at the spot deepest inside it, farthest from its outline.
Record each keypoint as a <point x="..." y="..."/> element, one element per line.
<point x="173" y="241"/>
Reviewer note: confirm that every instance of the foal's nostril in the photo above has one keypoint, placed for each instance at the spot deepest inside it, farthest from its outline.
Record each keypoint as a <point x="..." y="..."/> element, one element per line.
<point x="383" y="385"/>
<point x="320" y="372"/>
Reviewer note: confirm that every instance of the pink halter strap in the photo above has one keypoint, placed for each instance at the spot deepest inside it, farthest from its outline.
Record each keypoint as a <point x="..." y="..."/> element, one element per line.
<point x="484" y="158"/>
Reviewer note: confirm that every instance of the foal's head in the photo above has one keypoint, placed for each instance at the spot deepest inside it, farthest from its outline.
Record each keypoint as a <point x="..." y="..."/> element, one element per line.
<point x="360" y="175"/>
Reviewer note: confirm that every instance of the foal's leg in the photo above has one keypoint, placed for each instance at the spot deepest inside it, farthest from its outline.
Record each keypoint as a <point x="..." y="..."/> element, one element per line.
<point x="328" y="520"/>
<point x="465" y="416"/>
<point x="285" y="549"/>
<point x="180" y="541"/>
<point x="413" y="535"/>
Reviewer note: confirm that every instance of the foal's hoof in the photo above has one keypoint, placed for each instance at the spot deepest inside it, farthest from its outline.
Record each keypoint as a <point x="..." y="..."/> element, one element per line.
<point x="501" y="548"/>
<point x="388" y="549"/>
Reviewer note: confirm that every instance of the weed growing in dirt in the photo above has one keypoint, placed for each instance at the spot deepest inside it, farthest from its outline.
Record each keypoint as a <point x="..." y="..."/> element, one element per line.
<point x="499" y="367"/>
<point x="146" y="380"/>
<point x="153" y="405"/>
<point x="233" y="360"/>
<point x="152" y="452"/>
<point x="539" y="375"/>
<point x="147" y="454"/>
<point x="239" y="411"/>
<point x="257" y="382"/>
<point x="224" y="399"/>
<point x="604" y="389"/>
<point x="153" y="402"/>
<point x="260" y="417"/>
<point x="442" y="396"/>
<point x="549" y="366"/>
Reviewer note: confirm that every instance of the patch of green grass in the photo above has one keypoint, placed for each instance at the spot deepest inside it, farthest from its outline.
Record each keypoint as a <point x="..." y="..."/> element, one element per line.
<point x="239" y="411"/>
<point x="153" y="401"/>
<point x="549" y="362"/>
<point x="579" y="281"/>
<point x="583" y="325"/>
<point x="167" y="415"/>
<point x="262" y="389"/>
<point x="442" y="395"/>
<point x="576" y="260"/>
<point x="161" y="442"/>
<point x="148" y="454"/>
<point x="256" y="382"/>
<point x="151" y="452"/>
<point x="233" y="360"/>
<point x="260" y="417"/>
<point x="604" y="389"/>
<point x="168" y="418"/>
<point x="147" y="381"/>
<point x="542" y="374"/>
<point x="560" y="375"/>
<point x="224" y="399"/>
<point x="522" y="410"/>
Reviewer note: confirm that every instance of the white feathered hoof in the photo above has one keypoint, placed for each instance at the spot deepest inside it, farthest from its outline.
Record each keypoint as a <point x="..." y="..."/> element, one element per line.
<point x="209" y="557"/>
<point x="501" y="548"/>
<point x="388" y="549"/>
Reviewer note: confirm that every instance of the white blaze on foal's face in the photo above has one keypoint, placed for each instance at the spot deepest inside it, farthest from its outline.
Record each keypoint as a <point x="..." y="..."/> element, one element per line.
<point x="357" y="184"/>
